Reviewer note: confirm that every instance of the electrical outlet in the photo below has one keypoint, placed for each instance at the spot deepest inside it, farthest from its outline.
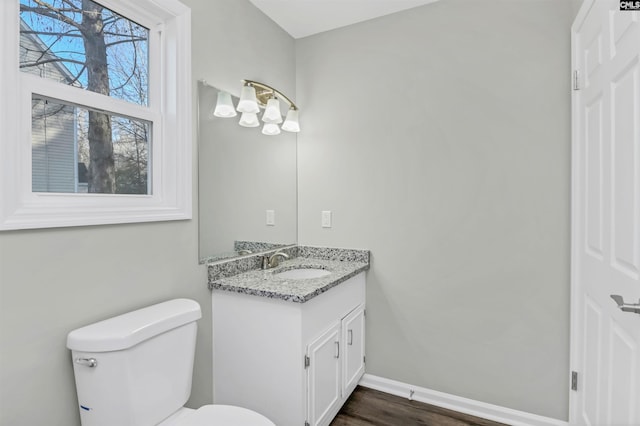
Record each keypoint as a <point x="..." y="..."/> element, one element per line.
<point x="326" y="219"/>
<point x="271" y="218"/>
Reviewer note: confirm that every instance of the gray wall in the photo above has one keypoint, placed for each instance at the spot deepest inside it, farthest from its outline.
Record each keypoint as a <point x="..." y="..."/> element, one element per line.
<point x="54" y="280"/>
<point x="439" y="137"/>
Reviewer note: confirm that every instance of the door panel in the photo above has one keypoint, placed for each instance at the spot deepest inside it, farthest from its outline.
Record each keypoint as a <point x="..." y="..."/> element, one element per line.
<point x="620" y="23"/>
<point x="323" y="382"/>
<point x="353" y="343"/>
<point x="622" y="397"/>
<point x="591" y="375"/>
<point x="625" y="208"/>
<point x="606" y="215"/>
<point x="593" y="171"/>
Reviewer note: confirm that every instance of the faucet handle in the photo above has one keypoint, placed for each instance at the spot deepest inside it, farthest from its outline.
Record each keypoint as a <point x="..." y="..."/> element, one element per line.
<point x="273" y="260"/>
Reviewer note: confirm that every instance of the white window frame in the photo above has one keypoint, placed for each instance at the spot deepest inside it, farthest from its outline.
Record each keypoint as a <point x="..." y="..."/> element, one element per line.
<point x="170" y="110"/>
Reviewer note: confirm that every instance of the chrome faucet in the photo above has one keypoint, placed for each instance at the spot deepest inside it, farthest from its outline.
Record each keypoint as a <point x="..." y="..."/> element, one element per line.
<point x="273" y="260"/>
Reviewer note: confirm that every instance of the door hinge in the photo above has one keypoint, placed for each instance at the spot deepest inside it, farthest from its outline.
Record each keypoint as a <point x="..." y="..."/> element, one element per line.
<point x="364" y="359"/>
<point x="576" y="80"/>
<point x="307" y="361"/>
<point x="574" y="380"/>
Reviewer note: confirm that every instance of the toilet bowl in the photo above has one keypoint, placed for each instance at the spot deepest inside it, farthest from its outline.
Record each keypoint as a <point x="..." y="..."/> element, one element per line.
<point x="135" y="369"/>
<point x="211" y="415"/>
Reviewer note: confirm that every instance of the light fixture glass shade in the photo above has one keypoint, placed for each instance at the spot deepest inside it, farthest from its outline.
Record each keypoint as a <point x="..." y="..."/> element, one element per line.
<point x="224" y="106"/>
<point x="272" y="112"/>
<point x="249" y="119"/>
<point x="248" y="101"/>
<point x="270" y="129"/>
<point x="291" y="123"/>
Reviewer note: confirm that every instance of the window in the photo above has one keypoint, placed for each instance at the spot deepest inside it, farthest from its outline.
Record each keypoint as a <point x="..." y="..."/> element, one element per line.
<point x="96" y="112"/>
<point x="61" y="151"/>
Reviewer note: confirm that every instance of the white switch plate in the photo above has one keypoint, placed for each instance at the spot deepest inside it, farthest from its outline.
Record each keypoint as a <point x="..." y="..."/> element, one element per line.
<point x="271" y="217"/>
<point x="326" y="219"/>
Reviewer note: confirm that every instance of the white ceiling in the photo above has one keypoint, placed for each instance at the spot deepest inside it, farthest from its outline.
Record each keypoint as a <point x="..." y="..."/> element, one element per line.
<point x="302" y="18"/>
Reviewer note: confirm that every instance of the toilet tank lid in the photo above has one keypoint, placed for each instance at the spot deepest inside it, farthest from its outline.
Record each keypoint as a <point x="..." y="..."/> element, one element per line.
<point x="127" y="330"/>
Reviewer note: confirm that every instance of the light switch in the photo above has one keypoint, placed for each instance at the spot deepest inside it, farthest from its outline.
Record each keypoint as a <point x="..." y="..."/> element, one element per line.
<point x="271" y="218"/>
<point x="326" y="219"/>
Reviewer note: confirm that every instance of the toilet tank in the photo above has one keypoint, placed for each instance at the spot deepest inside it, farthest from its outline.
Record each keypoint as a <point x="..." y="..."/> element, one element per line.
<point x="135" y="369"/>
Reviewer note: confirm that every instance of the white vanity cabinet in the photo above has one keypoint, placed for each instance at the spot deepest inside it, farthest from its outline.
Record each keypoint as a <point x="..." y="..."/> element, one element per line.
<point x="335" y="365"/>
<point x="295" y="363"/>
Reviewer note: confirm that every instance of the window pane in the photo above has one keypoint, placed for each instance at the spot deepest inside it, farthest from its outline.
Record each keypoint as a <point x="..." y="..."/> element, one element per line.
<point x="76" y="149"/>
<point x="80" y="43"/>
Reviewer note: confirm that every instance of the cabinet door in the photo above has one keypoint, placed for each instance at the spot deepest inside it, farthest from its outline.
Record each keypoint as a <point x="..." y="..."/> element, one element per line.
<point x="323" y="382"/>
<point x="353" y="344"/>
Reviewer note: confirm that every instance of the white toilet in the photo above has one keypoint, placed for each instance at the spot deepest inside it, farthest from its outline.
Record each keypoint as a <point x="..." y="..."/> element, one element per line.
<point x="135" y="370"/>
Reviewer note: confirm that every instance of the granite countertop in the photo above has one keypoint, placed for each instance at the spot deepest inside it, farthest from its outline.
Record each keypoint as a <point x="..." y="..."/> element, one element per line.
<point x="266" y="283"/>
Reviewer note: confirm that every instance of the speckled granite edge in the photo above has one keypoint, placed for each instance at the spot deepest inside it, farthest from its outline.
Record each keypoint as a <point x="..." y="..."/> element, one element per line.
<point x="334" y="283"/>
<point x="216" y="271"/>
<point x="229" y="268"/>
<point x="218" y="257"/>
<point x="240" y="248"/>
<point x="269" y="284"/>
<point x="286" y="296"/>
<point x="257" y="246"/>
<point x="328" y="253"/>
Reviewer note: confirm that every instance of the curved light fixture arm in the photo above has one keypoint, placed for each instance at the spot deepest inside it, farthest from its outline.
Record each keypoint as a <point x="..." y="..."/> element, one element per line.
<point x="264" y="92"/>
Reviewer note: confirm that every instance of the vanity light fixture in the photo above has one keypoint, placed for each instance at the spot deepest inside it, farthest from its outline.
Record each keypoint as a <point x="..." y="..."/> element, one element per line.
<point x="272" y="114"/>
<point x="249" y="119"/>
<point x="291" y="123"/>
<point x="224" y="106"/>
<point x="248" y="100"/>
<point x="270" y="129"/>
<point x="253" y="97"/>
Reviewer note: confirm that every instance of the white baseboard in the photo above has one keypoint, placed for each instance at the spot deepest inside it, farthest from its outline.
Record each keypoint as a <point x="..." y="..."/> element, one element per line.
<point x="456" y="403"/>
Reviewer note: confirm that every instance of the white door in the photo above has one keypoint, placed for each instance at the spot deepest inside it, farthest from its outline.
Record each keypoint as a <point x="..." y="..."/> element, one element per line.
<point x="605" y="341"/>
<point x="353" y="344"/>
<point x="323" y="380"/>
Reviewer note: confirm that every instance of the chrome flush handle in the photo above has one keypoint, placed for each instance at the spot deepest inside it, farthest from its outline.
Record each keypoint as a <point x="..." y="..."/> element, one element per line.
<point x="89" y="362"/>
<point x="626" y="307"/>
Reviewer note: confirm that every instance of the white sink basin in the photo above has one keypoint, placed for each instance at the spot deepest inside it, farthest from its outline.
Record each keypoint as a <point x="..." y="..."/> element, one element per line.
<point x="302" y="273"/>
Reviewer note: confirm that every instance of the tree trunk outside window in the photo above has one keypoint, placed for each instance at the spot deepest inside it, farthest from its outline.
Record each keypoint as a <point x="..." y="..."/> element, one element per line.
<point x="101" y="166"/>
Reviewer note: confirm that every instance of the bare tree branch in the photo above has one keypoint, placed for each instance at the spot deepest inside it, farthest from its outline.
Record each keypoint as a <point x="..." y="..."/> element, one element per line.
<point x="116" y="34"/>
<point x="113" y="43"/>
<point x="48" y="61"/>
<point x="52" y="34"/>
<point x="84" y="67"/>
<point x="50" y="12"/>
<point x="72" y="5"/>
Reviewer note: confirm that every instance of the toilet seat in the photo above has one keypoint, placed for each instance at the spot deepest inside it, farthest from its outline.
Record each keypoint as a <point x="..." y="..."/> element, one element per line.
<point x="225" y="415"/>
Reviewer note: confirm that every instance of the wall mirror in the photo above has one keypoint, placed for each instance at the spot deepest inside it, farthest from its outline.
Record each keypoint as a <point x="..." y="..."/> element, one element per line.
<point x="246" y="180"/>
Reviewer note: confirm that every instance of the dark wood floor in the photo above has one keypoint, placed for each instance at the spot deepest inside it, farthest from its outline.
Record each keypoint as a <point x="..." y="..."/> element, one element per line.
<point x="368" y="407"/>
